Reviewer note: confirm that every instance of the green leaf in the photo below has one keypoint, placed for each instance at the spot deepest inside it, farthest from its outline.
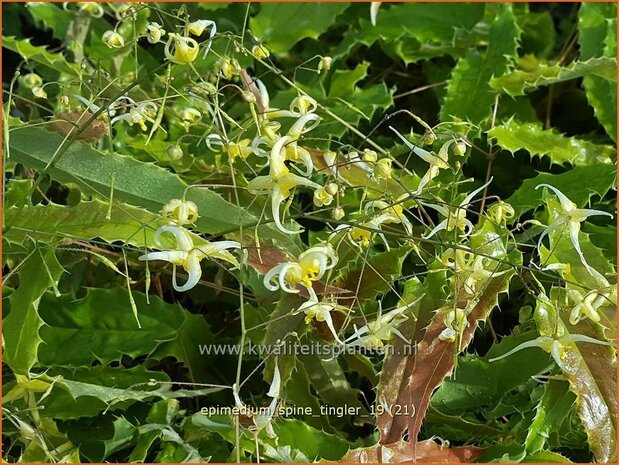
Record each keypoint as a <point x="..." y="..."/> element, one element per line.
<point x="600" y="179"/>
<point x="281" y="25"/>
<point x="589" y="368"/>
<point x="21" y="326"/>
<point x="86" y="392"/>
<point x="96" y="173"/>
<point x="469" y="96"/>
<point x="343" y="82"/>
<point x="101" y="326"/>
<point x="552" y="409"/>
<point x="40" y="55"/>
<point x="545" y="456"/>
<point x="374" y="275"/>
<point x="514" y="136"/>
<point x="477" y="382"/>
<point x="520" y="82"/>
<point x="51" y="16"/>
<point x="597" y="24"/>
<point x="329" y="381"/>
<point x="87" y="220"/>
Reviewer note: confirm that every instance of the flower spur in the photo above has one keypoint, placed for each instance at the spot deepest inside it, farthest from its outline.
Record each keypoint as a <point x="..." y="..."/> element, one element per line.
<point x="310" y="266"/>
<point x="571" y="216"/>
<point x="455" y="220"/>
<point x="319" y="311"/>
<point x="437" y="162"/>
<point x="279" y="183"/>
<point x="374" y="334"/>
<point x="189" y="256"/>
<point x="555" y="347"/>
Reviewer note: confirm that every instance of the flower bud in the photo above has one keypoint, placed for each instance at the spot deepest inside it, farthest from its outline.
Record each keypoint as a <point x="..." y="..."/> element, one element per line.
<point x="180" y="211"/>
<point x="460" y="148"/>
<point x="113" y="39"/>
<point x="248" y="96"/>
<point x="175" y="152"/>
<point x="370" y="156"/>
<point x="91" y="8"/>
<point x="338" y="213"/>
<point x="260" y="51"/>
<point x="428" y="138"/>
<point x="332" y="188"/>
<point x="229" y="67"/>
<point x="322" y="197"/>
<point x="31" y="80"/>
<point x="383" y="168"/>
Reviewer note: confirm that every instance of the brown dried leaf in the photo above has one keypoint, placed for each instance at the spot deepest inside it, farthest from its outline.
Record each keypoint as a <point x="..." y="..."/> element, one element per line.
<point x="427" y="452"/>
<point x="67" y="122"/>
<point x="434" y="359"/>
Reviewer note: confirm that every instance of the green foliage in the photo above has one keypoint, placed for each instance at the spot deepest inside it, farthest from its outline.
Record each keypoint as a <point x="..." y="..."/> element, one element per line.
<point x="520" y="82"/>
<point x="197" y="213"/>
<point x="514" y="136"/>
<point x="469" y="96"/>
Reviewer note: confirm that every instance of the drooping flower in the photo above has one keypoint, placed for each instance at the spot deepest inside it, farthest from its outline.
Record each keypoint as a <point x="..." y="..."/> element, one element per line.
<point x="279" y="183"/>
<point x="437" y="162"/>
<point x="374" y="334"/>
<point x="155" y="32"/>
<point x="113" y="39"/>
<point x="263" y="418"/>
<point x="197" y="28"/>
<point x="390" y="213"/>
<point x="181" y="50"/>
<point x="139" y="113"/>
<point x="571" y="216"/>
<point x="585" y="305"/>
<point x="310" y="266"/>
<point x="180" y="212"/>
<point x="319" y="311"/>
<point x="555" y="347"/>
<point x="189" y="256"/>
<point x="473" y="268"/>
<point x="455" y="219"/>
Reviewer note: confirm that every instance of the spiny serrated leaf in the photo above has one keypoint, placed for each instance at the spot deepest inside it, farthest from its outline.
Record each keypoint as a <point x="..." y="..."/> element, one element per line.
<point x="96" y="173"/>
<point x="514" y="136"/>
<point x="85" y="221"/>
<point x="281" y="25"/>
<point x="597" y="24"/>
<point x="477" y="382"/>
<point x="21" y="326"/>
<point x="40" y="55"/>
<point x="51" y="16"/>
<point x="101" y="326"/>
<point x="600" y="179"/>
<point x="434" y="358"/>
<point x="469" y="96"/>
<point x="552" y="409"/>
<point x="520" y="82"/>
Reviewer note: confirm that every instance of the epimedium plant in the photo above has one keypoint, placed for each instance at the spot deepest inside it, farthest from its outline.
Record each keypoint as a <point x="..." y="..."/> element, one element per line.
<point x="195" y="194"/>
